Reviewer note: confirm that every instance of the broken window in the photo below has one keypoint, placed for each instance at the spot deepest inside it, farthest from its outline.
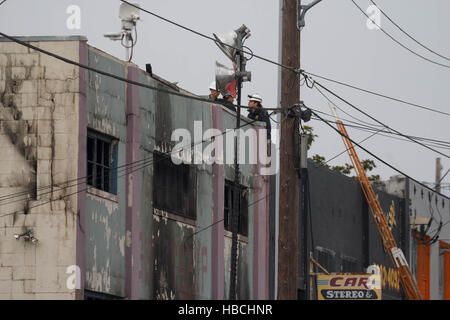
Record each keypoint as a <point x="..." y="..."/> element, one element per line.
<point x="174" y="188"/>
<point x="243" y="208"/>
<point x="100" y="150"/>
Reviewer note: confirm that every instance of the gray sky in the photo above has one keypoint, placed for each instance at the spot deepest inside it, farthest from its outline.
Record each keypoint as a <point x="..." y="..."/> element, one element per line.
<point x="335" y="43"/>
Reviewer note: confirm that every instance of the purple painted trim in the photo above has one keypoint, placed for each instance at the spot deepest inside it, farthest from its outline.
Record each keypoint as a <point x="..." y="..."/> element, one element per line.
<point x="217" y="231"/>
<point x="260" y="231"/>
<point x="81" y="199"/>
<point x="133" y="183"/>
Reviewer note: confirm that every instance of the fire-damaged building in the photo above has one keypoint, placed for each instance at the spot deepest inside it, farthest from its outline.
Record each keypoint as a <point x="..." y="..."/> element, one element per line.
<point x="92" y="204"/>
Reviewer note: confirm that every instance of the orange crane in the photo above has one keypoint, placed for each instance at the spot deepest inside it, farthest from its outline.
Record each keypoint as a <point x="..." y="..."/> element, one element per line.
<point x="390" y="246"/>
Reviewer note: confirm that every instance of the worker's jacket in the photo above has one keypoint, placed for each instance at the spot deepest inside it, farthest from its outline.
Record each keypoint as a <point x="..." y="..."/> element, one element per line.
<point x="227" y="104"/>
<point x="259" y="114"/>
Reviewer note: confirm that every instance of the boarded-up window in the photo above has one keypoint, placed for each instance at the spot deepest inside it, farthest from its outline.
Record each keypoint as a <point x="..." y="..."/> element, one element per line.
<point x="174" y="188"/>
<point x="243" y="208"/>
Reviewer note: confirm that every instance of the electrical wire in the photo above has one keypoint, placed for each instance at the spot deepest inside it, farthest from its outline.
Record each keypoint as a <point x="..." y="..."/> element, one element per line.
<point x="398" y="42"/>
<point x="342" y="110"/>
<point x="376" y="120"/>
<point x="378" y="158"/>
<point x="407" y="34"/>
<point x="378" y="94"/>
<point x="141" y="167"/>
<point x="80" y="65"/>
<point x="2" y="2"/>
<point x="221" y="220"/>
<point x="297" y="71"/>
<point x="208" y="37"/>
<point x="387" y="134"/>
<point x="362" y="126"/>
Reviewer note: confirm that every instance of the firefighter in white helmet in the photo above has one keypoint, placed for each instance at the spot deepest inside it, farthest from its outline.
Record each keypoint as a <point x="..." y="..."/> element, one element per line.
<point x="257" y="112"/>
<point x="214" y="93"/>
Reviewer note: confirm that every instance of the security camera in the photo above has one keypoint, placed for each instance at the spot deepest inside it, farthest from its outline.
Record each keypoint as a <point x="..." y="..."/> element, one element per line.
<point x="114" y="36"/>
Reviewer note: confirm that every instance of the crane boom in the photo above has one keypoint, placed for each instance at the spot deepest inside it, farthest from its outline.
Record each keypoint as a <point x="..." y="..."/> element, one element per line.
<point x="390" y="246"/>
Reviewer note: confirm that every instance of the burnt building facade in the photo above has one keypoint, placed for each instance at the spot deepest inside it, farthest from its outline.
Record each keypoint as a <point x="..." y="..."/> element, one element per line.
<point x="114" y="215"/>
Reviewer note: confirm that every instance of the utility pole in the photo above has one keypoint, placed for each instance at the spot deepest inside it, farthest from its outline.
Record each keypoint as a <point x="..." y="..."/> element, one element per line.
<point x="289" y="183"/>
<point x="438" y="175"/>
<point x="237" y="189"/>
<point x="232" y="45"/>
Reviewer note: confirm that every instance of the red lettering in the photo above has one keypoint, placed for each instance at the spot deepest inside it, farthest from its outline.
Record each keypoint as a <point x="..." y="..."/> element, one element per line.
<point x="333" y="281"/>
<point x="350" y="282"/>
<point x="363" y="282"/>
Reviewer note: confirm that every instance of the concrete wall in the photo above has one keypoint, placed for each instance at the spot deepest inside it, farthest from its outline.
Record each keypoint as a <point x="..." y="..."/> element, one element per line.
<point x="39" y="139"/>
<point x="105" y="238"/>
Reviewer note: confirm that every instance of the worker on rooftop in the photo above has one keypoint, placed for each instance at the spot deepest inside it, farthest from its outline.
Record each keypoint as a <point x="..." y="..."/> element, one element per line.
<point x="214" y="93"/>
<point x="227" y="101"/>
<point x="257" y="112"/>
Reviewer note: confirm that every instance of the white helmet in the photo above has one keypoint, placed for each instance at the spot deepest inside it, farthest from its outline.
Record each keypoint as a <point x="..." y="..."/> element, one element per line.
<point x="212" y="86"/>
<point x="255" y="97"/>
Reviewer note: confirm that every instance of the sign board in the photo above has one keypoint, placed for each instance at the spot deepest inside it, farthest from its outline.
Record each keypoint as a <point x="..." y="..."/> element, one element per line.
<point x="348" y="286"/>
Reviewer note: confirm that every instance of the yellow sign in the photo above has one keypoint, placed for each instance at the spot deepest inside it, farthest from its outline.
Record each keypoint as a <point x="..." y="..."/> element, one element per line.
<point x="347" y="286"/>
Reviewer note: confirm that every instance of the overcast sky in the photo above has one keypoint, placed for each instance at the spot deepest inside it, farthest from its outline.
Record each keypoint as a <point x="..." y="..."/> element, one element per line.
<point x="335" y="43"/>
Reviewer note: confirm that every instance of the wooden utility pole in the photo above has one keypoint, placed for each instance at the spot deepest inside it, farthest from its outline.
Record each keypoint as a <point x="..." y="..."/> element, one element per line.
<point x="289" y="183"/>
<point x="438" y="175"/>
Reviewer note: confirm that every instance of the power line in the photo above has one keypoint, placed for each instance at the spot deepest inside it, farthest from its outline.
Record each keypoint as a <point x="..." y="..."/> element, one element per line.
<point x="127" y="172"/>
<point x="208" y="37"/>
<point x="219" y="221"/>
<point x="329" y="100"/>
<point x="376" y="157"/>
<point x="2" y="2"/>
<point x="407" y="34"/>
<point x="388" y="134"/>
<point x="139" y="84"/>
<point x="281" y="65"/>
<point x="398" y="42"/>
<point x="374" y="119"/>
<point x="378" y="94"/>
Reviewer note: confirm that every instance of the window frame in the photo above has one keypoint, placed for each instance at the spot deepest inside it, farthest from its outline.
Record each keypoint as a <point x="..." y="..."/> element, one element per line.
<point x="91" y="179"/>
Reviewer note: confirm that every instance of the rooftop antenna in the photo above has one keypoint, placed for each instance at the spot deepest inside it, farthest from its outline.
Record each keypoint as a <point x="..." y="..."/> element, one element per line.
<point x="129" y="14"/>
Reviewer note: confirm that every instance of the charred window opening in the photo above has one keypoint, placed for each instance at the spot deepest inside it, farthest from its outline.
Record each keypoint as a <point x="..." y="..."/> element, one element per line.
<point x="243" y="208"/>
<point x="93" y="295"/>
<point x="100" y="162"/>
<point x="174" y="187"/>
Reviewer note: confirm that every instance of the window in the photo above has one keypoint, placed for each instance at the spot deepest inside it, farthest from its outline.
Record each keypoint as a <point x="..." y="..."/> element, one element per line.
<point x="243" y="208"/>
<point x="175" y="186"/>
<point x="100" y="161"/>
